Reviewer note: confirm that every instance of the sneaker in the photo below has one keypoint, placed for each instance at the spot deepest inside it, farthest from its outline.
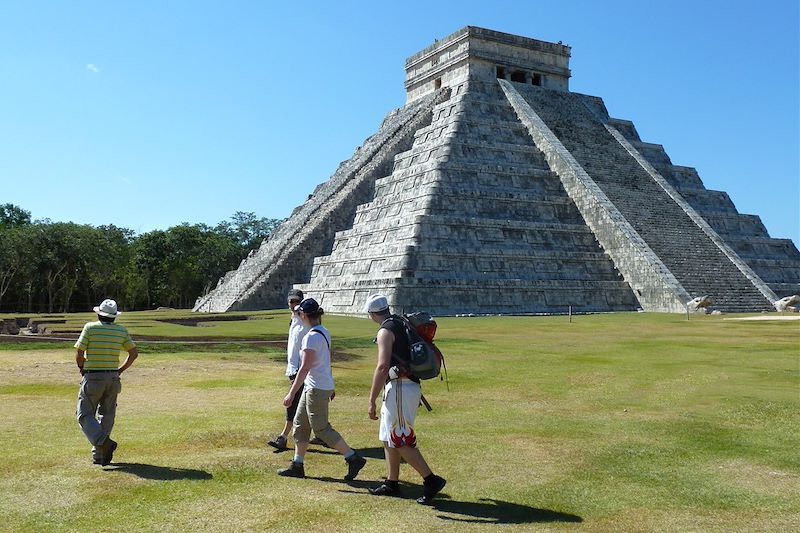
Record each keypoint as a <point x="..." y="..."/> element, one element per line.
<point x="354" y="466"/>
<point x="430" y="488"/>
<point x="110" y="447"/>
<point x="318" y="441"/>
<point x="294" y="470"/>
<point x="384" y="489"/>
<point x="279" y="443"/>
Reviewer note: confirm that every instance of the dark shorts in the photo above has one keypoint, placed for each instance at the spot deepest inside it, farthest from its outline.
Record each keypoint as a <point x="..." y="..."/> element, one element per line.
<point x="292" y="409"/>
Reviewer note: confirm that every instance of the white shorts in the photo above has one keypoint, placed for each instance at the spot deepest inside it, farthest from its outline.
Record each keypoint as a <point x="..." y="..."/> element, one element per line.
<point x="399" y="409"/>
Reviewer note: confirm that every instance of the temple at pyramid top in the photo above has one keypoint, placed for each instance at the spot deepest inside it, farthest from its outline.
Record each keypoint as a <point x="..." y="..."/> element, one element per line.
<point x="495" y="189"/>
<point x="486" y="54"/>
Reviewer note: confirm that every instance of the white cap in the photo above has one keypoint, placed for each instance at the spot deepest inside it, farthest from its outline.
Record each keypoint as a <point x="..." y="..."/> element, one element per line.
<point x="376" y="303"/>
<point x="107" y="308"/>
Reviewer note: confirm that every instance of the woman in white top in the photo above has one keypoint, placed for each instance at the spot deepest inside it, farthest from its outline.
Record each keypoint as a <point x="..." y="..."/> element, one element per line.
<point x="318" y="390"/>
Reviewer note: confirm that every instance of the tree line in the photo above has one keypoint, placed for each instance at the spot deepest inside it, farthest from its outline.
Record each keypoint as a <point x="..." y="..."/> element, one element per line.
<point x="59" y="267"/>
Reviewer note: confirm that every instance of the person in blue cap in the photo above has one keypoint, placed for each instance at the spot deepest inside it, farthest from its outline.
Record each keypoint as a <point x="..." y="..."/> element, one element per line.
<point x="316" y="378"/>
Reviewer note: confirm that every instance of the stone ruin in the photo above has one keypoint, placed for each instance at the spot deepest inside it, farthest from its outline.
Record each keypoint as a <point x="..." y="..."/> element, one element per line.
<point x="497" y="190"/>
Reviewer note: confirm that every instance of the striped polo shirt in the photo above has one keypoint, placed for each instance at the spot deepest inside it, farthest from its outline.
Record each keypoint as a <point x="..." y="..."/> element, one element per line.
<point x="102" y="344"/>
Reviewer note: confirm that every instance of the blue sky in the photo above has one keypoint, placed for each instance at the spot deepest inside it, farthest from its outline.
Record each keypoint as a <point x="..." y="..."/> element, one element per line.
<point x="147" y="114"/>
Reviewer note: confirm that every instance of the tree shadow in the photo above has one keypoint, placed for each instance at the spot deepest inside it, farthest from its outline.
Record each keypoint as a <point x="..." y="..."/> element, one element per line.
<point x="490" y="511"/>
<point x="161" y="473"/>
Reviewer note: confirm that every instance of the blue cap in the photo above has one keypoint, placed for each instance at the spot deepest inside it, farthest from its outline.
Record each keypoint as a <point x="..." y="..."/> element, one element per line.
<point x="308" y="306"/>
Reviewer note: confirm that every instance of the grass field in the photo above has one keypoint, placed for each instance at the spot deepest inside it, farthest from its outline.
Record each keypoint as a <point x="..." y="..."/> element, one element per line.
<point x="631" y="422"/>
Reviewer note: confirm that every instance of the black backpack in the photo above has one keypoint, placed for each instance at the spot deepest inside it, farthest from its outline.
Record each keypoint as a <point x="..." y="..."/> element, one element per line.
<point x="424" y="360"/>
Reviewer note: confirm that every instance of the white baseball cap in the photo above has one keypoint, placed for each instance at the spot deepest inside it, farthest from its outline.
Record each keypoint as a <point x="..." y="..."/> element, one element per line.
<point x="107" y="308"/>
<point x="376" y="303"/>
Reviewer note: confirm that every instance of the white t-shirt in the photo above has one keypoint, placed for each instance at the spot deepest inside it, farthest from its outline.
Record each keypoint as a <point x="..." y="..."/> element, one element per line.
<point x="320" y="376"/>
<point x="296" y="333"/>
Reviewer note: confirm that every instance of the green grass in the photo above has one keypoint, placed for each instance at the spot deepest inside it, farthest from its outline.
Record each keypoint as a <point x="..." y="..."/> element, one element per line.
<point x="633" y="422"/>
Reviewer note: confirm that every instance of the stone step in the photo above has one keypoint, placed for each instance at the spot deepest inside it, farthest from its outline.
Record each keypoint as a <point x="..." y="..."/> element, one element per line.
<point x="538" y="182"/>
<point x="783" y="290"/>
<point x="763" y="247"/>
<point x="377" y="262"/>
<point x="438" y="232"/>
<point x="497" y="296"/>
<point x="448" y="197"/>
<point x="734" y="224"/>
<point x="708" y="201"/>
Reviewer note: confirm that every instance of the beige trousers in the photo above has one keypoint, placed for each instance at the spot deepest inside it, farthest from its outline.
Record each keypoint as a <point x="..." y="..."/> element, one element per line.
<point x="312" y="415"/>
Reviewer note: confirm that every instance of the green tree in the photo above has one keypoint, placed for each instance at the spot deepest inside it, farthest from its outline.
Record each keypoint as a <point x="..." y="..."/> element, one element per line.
<point x="148" y="261"/>
<point x="15" y="254"/>
<point x="49" y="266"/>
<point x="63" y="249"/>
<point x="12" y="216"/>
<point x="248" y="230"/>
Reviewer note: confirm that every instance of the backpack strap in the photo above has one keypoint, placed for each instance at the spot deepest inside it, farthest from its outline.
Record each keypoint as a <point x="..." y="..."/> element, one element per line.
<point x="323" y="336"/>
<point x="398" y="359"/>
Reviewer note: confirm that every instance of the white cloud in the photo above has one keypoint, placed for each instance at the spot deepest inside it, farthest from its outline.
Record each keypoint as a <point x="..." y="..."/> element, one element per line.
<point x="93" y="68"/>
<point x="125" y="180"/>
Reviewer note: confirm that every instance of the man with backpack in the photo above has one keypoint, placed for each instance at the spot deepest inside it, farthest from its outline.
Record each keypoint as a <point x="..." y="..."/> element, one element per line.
<point x="401" y="399"/>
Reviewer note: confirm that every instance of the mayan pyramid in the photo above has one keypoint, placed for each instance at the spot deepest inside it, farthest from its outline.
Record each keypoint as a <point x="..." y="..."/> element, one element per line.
<point x="497" y="190"/>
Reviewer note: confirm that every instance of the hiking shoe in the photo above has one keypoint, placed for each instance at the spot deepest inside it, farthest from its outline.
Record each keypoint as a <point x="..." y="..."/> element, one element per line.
<point x="294" y="470"/>
<point x="354" y="466"/>
<point x="430" y="488"/>
<point x="279" y="443"/>
<point x="384" y="489"/>
<point x="318" y="441"/>
<point x="105" y="452"/>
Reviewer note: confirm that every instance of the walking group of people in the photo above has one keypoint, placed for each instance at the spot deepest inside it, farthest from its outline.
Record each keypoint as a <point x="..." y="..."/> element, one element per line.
<point x="307" y="402"/>
<point x="312" y="389"/>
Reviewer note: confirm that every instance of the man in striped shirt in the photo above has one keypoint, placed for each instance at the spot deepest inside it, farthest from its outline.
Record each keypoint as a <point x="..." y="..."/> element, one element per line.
<point x="97" y="356"/>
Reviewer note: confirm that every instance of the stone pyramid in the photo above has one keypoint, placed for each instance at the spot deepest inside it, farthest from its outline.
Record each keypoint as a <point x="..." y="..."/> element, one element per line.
<point x="497" y="190"/>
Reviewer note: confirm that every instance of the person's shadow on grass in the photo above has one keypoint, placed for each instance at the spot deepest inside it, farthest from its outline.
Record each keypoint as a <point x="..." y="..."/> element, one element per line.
<point x="161" y="473"/>
<point x="356" y="483"/>
<point x="491" y="511"/>
<point x="375" y="452"/>
<point x="484" y="511"/>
